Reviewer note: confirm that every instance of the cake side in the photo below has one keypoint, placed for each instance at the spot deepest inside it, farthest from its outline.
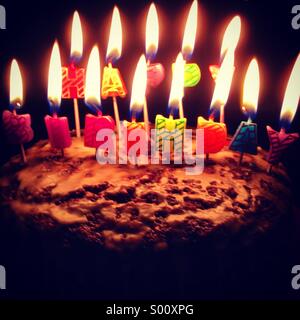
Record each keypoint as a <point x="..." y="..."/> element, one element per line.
<point x="157" y="206"/>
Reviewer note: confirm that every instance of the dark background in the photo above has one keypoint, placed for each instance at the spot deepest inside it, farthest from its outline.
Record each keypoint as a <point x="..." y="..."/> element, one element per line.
<point x="266" y="33"/>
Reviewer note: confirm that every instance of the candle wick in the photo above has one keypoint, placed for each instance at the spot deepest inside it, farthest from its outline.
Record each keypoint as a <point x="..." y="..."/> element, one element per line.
<point x="54" y="115"/>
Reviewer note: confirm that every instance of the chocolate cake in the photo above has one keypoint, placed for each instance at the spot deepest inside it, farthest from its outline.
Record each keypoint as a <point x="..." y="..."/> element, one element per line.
<point x="125" y="231"/>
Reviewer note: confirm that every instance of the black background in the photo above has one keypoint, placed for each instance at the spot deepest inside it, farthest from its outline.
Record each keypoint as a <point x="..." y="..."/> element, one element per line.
<point x="266" y="33"/>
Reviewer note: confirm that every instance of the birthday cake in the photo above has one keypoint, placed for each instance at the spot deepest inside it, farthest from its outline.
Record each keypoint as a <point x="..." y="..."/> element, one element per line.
<point x="140" y="226"/>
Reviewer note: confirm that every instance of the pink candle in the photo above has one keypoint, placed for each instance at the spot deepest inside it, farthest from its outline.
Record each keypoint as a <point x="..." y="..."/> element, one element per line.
<point x="94" y="123"/>
<point x="17" y="128"/>
<point x="58" y="132"/>
<point x="57" y="128"/>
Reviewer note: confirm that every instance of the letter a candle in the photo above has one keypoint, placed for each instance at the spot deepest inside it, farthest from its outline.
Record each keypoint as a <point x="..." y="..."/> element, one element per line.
<point x="245" y="138"/>
<point x="93" y="100"/>
<point x="58" y="128"/>
<point x="17" y="128"/>
<point x="166" y="127"/>
<point x="215" y="133"/>
<point x="73" y="77"/>
<point x="280" y="141"/>
<point x="112" y="82"/>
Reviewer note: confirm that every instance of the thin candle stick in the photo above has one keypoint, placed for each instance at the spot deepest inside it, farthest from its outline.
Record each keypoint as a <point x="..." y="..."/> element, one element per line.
<point x="222" y="119"/>
<point x="146" y="117"/>
<point x="181" y="113"/>
<point x="116" y="110"/>
<point x="77" y="119"/>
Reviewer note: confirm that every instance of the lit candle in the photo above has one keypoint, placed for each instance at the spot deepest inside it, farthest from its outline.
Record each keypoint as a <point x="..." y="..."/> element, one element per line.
<point x="17" y="128"/>
<point x="165" y="127"/>
<point x="230" y="41"/>
<point x="215" y="133"/>
<point x="155" y="71"/>
<point x="137" y="101"/>
<point x="93" y="100"/>
<point x="58" y="128"/>
<point x="245" y="138"/>
<point x="280" y="141"/>
<point x="112" y="83"/>
<point x="73" y="77"/>
<point x="192" y="73"/>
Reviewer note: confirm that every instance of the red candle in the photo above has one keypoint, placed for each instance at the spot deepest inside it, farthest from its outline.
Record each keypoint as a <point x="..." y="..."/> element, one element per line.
<point x="17" y="128"/>
<point x="280" y="141"/>
<point x="58" y="131"/>
<point x="215" y="133"/>
<point x="57" y="128"/>
<point x="94" y="123"/>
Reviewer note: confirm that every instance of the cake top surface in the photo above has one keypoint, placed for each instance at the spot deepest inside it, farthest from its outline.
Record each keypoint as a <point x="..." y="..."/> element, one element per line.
<point x="125" y="206"/>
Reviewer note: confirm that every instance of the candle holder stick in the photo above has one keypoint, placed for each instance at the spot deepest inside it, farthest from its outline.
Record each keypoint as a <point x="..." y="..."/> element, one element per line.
<point x="222" y="117"/>
<point x="77" y="119"/>
<point x="146" y="117"/>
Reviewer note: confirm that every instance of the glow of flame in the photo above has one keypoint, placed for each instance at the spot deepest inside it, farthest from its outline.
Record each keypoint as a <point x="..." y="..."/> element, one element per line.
<point x="16" y="86"/>
<point x="139" y="86"/>
<point x="223" y="82"/>
<point x="177" y="87"/>
<point x="189" y="37"/>
<point x="76" y="38"/>
<point x="152" y="32"/>
<point x="231" y="36"/>
<point x="114" y="48"/>
<point x="292" y="94"/>
<point x="92" y="81"/>
<point x="251" y="89"/>
<point x="55" y="78"/>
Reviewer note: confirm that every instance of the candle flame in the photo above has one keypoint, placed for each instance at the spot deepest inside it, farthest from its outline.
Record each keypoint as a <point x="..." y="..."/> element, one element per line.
<point x="55" y="78"/>
<point x="16" y="86"/>
<point x="251" y="89"/>
<point x="223" y="82"/>
<point x="76" y="38"/>
<point x="231" y="36"/>
<point x="92" y="81"/>
<point x="189" y="37"/>
<point x="177" y="87"/>
<point x="114" y="48"/>
<point x="152" y="32"/>
<point x="292" y="94"/>
<point x="139" y="86"/>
